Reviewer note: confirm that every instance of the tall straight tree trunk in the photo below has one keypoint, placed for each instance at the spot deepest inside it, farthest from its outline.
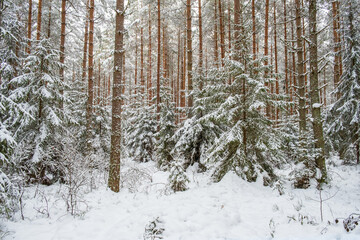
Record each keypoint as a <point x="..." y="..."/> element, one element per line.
<point x="300" y="68"/>
<point x="149" y="80"/>
<point x="314" y="93"/>
<point x="49" y="20"/>
<point x="164" y="57"/>
<point x="266" y="51"/>
<point x="62" y="43"/>
<point x="216" y="47"/>
<point x="222" y="33"/>
<point x="142" y="78"/>
<point x="177" y="90"/>
<point x="324" y="88"/>
<point x="200" y="47"/>
<point x="86" y="36"/>
<point x="189" y="55"/>
<point x="335" y="15"/>
<point x="237" y="29"/>
<point x="38" y="30"/>
<point x="277" y="87"/>
<point x="114" y="168"/>
<point x="136" y="62"/>
<point x="183" y="79"/>
<point x="158" y="63"/>
<point x="229" y="36"/>
<point x="305" y="57"/>
<point x="286" y="52"/>
<point x="28" y="47"/>
<point x="294" y="83"/>
<point x="253" y="29"/>
<point x="90" y="100"/>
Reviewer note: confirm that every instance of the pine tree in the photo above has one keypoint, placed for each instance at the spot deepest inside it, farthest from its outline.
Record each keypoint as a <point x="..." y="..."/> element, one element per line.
<point x="114" y="168"/>
<point x="39" y="132"/>
<point x="344" y="116"/>
<point x="249" y="145"/>
<point x="314" y="92"/>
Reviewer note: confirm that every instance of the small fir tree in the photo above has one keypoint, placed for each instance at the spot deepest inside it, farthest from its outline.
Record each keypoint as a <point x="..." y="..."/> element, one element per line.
<point x="178" y="180"/>
<point x="344" y="116"/>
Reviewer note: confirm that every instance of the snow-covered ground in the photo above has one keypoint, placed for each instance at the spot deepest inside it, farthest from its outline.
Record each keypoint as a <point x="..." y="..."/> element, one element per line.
<point x="230" y="209"/>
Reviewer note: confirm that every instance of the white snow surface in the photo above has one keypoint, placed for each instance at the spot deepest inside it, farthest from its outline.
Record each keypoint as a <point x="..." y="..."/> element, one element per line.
<point x="231" y="209"/>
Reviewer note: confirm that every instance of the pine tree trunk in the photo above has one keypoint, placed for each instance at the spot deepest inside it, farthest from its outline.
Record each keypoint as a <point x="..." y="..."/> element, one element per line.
<point x="49" y="20"/>
<point x="177" y="90"/>
<point x="294" y="83"/>
<point x="324" y="88"/>
<point x="237" y="29"/>
<point x="277" y="87"/>
<point x="62" y="44"/>
<point x="149" y="80"/>
<point x="136" y="62"/>
<point x="266" y="52"/>
<point x="253" y="29"/>
<point x="286" y="52"/>
<point x="200" y="47"/>
<point x="29" y="23"/>
<point x="335" y="15"/>
<point x="90" y="100"/>
<point x="189" y="55"/>
<point x="216" y="47"/>
<point x="142" y="78"/>
<point x="158" y="62"/>
<point x="300" y="68"/>
<point x="305" y="57"/>
<point x="114" y="168"/>
<point x="86" y="36"/>
<point x="183" y="79"/>
<point x="38" y="30"/>
<point x="222" y="33"/>
<point x="314" y="93"/>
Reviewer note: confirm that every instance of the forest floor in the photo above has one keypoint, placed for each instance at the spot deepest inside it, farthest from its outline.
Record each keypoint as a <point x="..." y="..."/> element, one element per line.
<point x="231" y="209"/>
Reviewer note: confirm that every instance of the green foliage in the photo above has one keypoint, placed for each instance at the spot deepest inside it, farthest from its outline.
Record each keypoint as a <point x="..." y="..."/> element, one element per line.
<point x="141" y="135"/>
<point x="39" y="131"/>
<point x="344" y="116"/>
<point x="178" y="180"/>
<point x="250" y="145"/>
<point x="166" y="143"/>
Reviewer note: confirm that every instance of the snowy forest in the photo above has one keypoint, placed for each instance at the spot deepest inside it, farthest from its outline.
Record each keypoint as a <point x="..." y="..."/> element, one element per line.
<point x="179" y="119"/>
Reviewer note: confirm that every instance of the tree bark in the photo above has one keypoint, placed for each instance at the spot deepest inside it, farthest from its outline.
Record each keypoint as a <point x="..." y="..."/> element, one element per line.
<point x="149" y="80"/>
<point x="300" y="68"/>
<point x="177" y="89"/>
<point x="266" y="52"/>
<point x="62" y="44"/>
<point x="253" y="28"/>
<point x="86" y="36"/>
<point x="38" y="30"/>
<point x="314" y="93"/>
<point x="189" y="55"/>
<point x="294" y="83"/>
<point x="277" y="88"/>
<point x="90" y="100"/>
<point x="136" y="62"/>
<point x="200" y="47"/>
<point x="142" y="79"/>
<point x="158" y="62"/>
<point x="216" y="47"/>
<point x="222" y="33"/>
<point x="335" y="15"/>
<point x="28" y="47"/>
<point x="237" y="29"/>
<point x="49" y="20"/>
<point x="114" y="168"/>
<point x="286" y="52"/>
